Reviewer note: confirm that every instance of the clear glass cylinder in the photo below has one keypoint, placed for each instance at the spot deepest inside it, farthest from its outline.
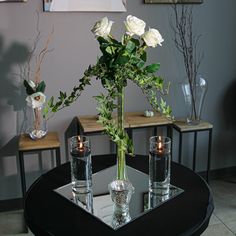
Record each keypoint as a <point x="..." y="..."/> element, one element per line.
<point x="159" y="165"/>
<point x="84" y="200"/>
<point x="194" y="94"/>
<point x="81" y="164"/>
<point x="36" y="123"/>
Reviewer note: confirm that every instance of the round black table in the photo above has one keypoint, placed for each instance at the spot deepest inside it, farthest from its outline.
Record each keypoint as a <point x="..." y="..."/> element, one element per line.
<point x="48" y="213"/>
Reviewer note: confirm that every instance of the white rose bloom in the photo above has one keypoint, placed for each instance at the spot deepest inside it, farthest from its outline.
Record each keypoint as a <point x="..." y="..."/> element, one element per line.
<point x="36" y="100"/>
<point x="32" y="84"/>
<point x="152" y="38"/>
<point x="134" y="25"/>
<point x="102" y="28"/>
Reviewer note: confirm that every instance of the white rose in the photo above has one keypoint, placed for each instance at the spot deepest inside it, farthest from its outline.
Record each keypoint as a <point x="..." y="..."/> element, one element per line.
<point x="102" y="28"/>
<point x="152" y="37"/>
<point x="134" y="25"/>
<point x="36" y="100"/>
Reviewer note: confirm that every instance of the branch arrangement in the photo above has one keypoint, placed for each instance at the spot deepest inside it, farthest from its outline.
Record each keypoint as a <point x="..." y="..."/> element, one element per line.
<point x="186" y="42"/>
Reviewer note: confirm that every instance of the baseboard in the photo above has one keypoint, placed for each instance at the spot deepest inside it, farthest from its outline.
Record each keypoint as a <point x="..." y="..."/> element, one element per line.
<point x="11" y="204"/>
<point x="17" y="203"/>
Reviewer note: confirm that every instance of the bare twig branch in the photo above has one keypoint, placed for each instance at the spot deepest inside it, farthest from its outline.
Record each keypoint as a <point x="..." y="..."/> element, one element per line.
<point x="186" y="42"/>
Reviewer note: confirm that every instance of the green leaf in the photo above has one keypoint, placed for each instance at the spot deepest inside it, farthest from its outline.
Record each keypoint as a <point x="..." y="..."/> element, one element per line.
<point x="135" y="41"/>
<point x="50" y="102"/>
<point x="130" y="46"/>
<point x="122" y="59"/>
<point x="143" y="56"/>
<point x="101" y="40"/>
<point x="140" y="64"/>
<point x="41" y="87"/>
<point x="62" y="95"/>
<point x="152" y="68"/>
<point x="29" y="89"/>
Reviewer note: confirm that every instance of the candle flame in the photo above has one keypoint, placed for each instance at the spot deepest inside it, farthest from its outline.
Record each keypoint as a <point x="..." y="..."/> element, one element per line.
<point x="80" y="143"/>
<point x="159" y="145"/>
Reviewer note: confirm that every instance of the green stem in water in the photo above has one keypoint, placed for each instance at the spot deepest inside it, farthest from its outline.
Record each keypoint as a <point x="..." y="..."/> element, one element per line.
<point x="121" y="170"/>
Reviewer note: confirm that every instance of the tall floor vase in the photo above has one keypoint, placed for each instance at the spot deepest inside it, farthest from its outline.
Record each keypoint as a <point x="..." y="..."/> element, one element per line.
<point x="194" y="94"/>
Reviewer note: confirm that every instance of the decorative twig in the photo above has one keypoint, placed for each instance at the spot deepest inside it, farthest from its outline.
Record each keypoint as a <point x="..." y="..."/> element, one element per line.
<point x="186" y="42"/>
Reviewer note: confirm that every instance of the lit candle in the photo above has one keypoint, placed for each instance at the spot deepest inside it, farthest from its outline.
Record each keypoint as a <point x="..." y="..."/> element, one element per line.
<point x="160" y="146"/>
<point x="159" y="161"/>
<point x="80" y="150"/>
<point x="81" y="166"/>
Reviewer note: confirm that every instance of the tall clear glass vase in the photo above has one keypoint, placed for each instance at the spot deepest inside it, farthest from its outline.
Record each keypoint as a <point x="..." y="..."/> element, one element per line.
<point x="194" y="94"/>
<point x="121" y="189"/>
<point x="36" y="123"/>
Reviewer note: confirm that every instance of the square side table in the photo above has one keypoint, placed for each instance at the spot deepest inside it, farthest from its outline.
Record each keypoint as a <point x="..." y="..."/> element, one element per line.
<point x="26" y="144"/>
<point x="182" y="127"/>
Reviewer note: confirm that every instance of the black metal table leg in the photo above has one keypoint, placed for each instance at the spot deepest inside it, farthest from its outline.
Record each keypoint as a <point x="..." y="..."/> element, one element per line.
<point x="155" y="131"/>
<point x="180" y="147"/>
<point x="22" y="173"/>
<point x="170" y="135"/>
<point x="58" y="156"/>
<point x="194" y="150"/>
<point x="209" y="155"/>
<point x="130" y="133"/>
<point x="72" y="130"/>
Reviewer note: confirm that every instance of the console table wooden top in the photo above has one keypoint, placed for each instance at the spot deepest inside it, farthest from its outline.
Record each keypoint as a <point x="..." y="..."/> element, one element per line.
<point x="131" y="120"/>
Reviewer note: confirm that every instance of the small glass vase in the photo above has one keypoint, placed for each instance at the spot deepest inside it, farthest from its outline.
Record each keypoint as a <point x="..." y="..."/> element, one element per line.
<point x="121" y="190"/>
<point x="36" y="123"/>
<point x="194" y="95"/>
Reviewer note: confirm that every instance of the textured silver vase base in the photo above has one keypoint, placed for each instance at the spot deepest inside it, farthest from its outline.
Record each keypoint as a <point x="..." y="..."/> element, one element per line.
<point x="37" y="134"/>
<point x="121" y="192"/>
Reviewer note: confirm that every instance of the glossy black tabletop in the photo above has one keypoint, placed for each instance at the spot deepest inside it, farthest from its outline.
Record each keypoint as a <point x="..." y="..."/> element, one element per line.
<point x="48" y="213"/>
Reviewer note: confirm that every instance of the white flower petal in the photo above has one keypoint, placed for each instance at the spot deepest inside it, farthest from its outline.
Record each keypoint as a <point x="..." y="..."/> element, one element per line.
<point x="36" y="100"/>
<point x="134" y="25"/>
<point x="152" y="38"/>
<point x="102" y="28"/>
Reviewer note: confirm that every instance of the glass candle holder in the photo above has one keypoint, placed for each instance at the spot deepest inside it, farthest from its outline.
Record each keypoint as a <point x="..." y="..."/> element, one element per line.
<point x="159" y="165"/>
<point x="81" y="164"/>
<point x="84" y="200"/>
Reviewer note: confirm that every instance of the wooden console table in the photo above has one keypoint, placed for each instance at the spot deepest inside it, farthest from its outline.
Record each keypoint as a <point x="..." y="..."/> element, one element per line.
<point x="27" y="145"/>
<point x="88" y="125"/>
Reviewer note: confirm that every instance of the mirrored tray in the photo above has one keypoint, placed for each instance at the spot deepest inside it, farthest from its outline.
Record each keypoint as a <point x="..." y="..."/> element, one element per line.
<point x="98" y="202"/>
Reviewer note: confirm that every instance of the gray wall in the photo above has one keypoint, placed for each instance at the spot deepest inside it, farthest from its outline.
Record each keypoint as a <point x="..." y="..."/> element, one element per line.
<point x="75" y="48"/>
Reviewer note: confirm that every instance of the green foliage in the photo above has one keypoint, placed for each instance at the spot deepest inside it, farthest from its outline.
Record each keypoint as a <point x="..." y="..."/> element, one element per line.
<point x="29" y="89"/>
<point x="38" y="88"/>
<point x="41" y="87"/>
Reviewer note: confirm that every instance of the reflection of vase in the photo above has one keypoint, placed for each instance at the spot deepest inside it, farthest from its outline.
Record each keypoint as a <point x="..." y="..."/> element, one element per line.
<point x="120" y="216"/>
<point x="36" y="123"/>
<point x="194" y="95"/>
